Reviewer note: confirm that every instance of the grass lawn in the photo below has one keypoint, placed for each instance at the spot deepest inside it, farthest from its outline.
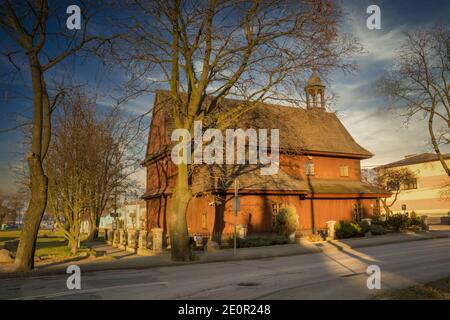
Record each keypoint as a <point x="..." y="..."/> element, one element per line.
<point x="436" y="290"/>
<point x="51" y="245"/>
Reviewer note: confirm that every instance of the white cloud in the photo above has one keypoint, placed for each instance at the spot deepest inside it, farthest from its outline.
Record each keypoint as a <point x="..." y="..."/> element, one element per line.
<point x="379" y="46"/>
<point x="384" y="134"/>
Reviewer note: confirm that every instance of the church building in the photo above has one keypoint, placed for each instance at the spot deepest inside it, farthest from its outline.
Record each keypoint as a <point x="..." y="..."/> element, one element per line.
<point x="319" y="172"/>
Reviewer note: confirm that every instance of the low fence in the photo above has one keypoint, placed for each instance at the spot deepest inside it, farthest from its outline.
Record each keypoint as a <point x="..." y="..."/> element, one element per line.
<point x="438" y="220"/>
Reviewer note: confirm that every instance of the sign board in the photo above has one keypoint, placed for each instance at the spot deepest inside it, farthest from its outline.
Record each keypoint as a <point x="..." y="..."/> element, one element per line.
<point x="236" y="204"/>
<point x="403" y="207"/>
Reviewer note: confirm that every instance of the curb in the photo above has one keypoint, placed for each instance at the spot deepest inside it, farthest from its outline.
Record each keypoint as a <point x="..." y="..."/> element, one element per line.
<point x="340" y="246"/>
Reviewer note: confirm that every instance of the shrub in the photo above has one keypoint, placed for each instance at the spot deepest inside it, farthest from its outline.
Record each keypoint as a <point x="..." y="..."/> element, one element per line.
<point x="286" y="220"/>
<point x="314" y="237"/>
<point x="258" y="240"/>
<point x="397" y="222"/>
<point x="365" y="226"/>
<point x="346" y="229"/>
<point x="377" y="230"/>
<point x="378" y="219"/>
<point x="416" y="221"/>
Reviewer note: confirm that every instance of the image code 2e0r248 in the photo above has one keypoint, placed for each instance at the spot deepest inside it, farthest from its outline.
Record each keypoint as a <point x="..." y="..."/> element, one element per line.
<point x="245" y="309"/>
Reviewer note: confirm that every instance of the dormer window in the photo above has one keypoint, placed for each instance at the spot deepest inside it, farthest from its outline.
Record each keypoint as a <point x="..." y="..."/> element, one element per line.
<point x="309" y="169"/>
<point x="343" y="171"/>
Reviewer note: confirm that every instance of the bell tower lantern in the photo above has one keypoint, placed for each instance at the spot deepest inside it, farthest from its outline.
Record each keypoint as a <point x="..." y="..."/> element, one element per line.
<point x="315" y="93"/>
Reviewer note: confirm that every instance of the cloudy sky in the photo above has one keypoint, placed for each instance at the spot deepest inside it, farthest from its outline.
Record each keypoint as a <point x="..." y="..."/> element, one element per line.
<point x="361" y="109"/>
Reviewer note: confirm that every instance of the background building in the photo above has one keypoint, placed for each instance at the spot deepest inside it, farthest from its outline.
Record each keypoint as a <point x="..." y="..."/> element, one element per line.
<point x="427" y="194"/>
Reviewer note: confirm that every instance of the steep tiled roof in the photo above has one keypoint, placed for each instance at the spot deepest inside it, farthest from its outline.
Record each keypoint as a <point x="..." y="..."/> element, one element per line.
<point x="300" y="130"/>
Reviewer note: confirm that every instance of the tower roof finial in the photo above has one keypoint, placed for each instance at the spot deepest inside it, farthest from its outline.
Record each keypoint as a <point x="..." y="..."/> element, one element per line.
<point x="314" y="79"/>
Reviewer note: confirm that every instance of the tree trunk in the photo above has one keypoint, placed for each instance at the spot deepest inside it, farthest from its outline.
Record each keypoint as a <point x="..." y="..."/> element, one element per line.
<point x="38" y="184"/>
<point x="179" y="237"/>
<point x="93" y="234"/>
<point x="38" y="180"/>
<point x="73" y="246"/>
<point x="93" y="228"/>
<point x="434" y="142"/>
<point x="386" y="208"/>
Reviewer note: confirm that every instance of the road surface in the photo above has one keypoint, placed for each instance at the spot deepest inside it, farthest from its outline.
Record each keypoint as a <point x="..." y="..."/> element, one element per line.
<point x="332" y="275"/>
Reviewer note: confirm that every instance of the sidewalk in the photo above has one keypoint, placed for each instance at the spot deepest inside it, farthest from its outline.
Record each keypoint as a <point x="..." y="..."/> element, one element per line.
<point x="117" y="259"/>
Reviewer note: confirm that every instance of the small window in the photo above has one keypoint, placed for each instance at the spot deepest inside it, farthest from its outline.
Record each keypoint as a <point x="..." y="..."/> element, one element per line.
<point x="411" y="185"/>
<point x="276" y="207"/>
<point x="204" y="221"/>
<point x="309" y="169"/>
<point x="343" y="170"/>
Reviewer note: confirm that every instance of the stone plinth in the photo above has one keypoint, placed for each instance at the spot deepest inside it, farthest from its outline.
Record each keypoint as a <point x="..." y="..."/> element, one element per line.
<point x="116" y="238"/>
<point x="331" y="229"/>
<point x="241" y="230"/>
<point x="157" y="243"/>
<point x="132" y="241"/>
<point x="109" y="236"/>
<point x="143" y="250"/>
<point x="122" y="240"/>
<point x="424" y="218"/>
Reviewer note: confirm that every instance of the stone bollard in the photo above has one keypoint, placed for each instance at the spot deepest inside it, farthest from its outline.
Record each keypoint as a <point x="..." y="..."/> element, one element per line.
<point x="132" y="243"/>
<point x="142" y="244"/>
<point x="366" y="222"/>
<point x="109" y="236"/>
<point x="241" y="231"/>
<point x="331" y="230"/>
<point x="424" y="219"/>
<point x="157" y="239"/>
<point x="122" y="240"/>
<point x="116" y="239"/>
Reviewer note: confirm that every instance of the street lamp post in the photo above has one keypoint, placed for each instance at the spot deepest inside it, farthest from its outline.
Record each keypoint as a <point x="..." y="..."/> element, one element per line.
<point x="236" y="206"/>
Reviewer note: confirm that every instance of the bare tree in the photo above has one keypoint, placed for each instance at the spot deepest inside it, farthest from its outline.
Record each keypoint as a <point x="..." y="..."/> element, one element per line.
<point x="112" y="157"/>
<point x="89" y="158"/>
<point x="67" y="167"/>
<point x="27" y="25"/>
<point x="253" y="50"/>
<point x="393" y="180"/>
<point x="419" y="84"/>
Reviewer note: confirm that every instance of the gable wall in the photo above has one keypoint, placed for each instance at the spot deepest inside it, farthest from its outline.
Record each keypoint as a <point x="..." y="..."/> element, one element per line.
<point x="325" y="167"/>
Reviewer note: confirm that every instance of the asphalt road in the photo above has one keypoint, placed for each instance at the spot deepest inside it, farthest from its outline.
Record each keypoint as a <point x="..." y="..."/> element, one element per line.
<point x="332" y="275"/>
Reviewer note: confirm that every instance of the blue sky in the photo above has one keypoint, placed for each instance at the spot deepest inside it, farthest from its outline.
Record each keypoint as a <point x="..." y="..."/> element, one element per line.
<point x="358" y="105"/>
